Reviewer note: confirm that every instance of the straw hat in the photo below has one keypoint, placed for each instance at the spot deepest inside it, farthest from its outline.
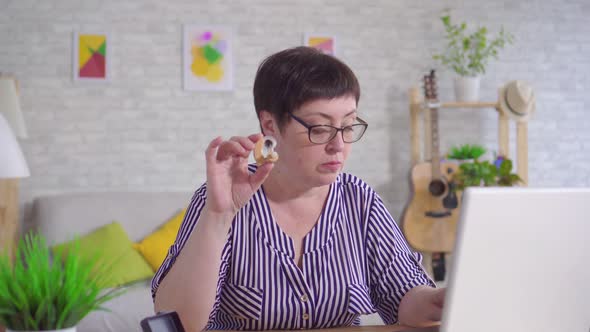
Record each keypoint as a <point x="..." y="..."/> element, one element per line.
<point x="517" y="100"/>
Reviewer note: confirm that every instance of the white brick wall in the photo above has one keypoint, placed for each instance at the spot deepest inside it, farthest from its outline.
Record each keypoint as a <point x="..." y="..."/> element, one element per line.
<point x="141" y="131"/>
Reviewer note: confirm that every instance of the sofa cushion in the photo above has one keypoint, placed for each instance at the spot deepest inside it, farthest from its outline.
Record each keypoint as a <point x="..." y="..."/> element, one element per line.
<point x="111" y="245"/>
<point x="154" y="247"/>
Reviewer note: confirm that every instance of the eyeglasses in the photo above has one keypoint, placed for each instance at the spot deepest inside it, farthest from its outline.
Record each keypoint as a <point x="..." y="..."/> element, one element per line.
<point x="321" y="134"/>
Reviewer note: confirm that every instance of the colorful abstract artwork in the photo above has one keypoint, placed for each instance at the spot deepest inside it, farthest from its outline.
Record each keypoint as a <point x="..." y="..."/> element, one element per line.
<point x="91" y="56"/>
<point x="207" y="58"/>
<point x="324" y="43"/>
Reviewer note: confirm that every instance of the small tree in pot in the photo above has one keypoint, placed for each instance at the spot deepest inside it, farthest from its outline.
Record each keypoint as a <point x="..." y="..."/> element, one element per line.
<point x="468" y="54"/>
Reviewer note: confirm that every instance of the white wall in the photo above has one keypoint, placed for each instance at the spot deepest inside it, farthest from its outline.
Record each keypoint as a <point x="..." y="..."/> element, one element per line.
<point x="141" y="131"/>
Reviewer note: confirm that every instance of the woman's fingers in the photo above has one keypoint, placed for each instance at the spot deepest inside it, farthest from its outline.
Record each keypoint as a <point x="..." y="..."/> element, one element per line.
<point x="260" y="175"/>
<point x="255" y="137"/>
<point x="229" y="149"/>
<point x="439" y="297"/>
<point x="435" y="314"/>
<point x="437" y="301"/>
<point x="212" y="148"/>
<point x="245" y="142"/>
<point x="230" y="182"/>
<point x="237" y="146"/>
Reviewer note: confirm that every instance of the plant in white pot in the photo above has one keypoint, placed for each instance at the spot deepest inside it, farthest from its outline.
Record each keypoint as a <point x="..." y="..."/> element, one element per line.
<point x="468" y="54"/>
<point x="40" y="291"/>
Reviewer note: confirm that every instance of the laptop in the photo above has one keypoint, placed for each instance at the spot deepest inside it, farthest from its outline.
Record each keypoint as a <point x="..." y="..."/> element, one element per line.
<point x="521" y="261"/>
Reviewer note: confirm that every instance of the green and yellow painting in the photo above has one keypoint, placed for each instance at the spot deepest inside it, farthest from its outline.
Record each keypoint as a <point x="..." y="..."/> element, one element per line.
<point x="208" y="62"/>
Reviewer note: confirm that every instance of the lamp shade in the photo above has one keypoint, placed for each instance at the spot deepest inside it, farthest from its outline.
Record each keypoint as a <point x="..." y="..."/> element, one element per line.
<point x="12" y="161"/>
<point x="10" y="106"/>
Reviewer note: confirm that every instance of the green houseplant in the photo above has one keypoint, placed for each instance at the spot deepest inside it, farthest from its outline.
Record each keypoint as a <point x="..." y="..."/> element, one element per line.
<point x="485" y="173"/>
<point x="42" y="291"/>
<point x="476" y="172"/>
<point x="468" y="54"/>
<point x="466" y="152"/>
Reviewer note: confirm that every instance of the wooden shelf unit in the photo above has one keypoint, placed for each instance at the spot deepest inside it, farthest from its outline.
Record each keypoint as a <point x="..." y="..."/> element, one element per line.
<point x="457" y="104"/>
<point x="417" y="108"/>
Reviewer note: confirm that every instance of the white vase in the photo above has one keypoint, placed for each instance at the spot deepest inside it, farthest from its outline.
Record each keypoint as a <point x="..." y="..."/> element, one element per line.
<point x="69" y="329"/>
<point x="467" y="88"/>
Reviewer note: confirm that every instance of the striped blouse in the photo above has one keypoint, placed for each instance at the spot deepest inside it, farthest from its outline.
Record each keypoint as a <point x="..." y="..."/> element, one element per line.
<point x="355" y="261"/>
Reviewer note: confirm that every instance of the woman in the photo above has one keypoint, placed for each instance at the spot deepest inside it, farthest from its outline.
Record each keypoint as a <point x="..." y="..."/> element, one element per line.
<point x="294" y="244"/>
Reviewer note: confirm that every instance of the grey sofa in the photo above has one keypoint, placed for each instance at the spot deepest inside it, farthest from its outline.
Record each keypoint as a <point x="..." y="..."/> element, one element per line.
<point x="60" y="217"/>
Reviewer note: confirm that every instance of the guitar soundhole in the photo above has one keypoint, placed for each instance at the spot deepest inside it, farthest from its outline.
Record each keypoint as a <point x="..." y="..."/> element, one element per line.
<point x="437" y="188"/>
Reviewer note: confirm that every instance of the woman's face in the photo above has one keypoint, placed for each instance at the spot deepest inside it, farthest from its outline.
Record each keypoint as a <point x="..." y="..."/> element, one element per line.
<point x="315" y="164"/>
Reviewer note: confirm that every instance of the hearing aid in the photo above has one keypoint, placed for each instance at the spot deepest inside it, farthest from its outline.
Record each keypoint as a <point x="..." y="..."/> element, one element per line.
<point x="264" y="150"/>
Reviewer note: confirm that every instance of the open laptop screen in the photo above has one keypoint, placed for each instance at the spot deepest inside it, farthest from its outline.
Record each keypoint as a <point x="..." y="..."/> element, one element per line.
<point x="521" y="261"/>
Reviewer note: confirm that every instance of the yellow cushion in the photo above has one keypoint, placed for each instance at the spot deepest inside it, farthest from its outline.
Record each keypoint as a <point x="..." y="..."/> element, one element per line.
<point x="111" y="245"/>
<point x="154" y="247"/>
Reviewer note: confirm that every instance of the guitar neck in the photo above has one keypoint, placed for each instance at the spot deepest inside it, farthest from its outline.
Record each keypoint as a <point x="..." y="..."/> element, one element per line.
<point x="435" y="143"/>
<point x="430" y="96"/>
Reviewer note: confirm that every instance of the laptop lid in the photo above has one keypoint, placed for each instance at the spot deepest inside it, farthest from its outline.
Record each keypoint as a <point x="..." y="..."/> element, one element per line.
<point x="521" y="261"/>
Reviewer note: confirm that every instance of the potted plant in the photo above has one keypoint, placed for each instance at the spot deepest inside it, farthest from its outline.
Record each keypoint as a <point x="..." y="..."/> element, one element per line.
<point x="485" y="173"/>
<point x="468" y="54"/>
<point x="466" y="152"/>
<point x="42" y="291"/>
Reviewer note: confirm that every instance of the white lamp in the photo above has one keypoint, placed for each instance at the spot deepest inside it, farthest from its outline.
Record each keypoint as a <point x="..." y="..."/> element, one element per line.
<point x="10" y="106"/>
<point x="12" y="161"/>
<point x="12" y="164"/>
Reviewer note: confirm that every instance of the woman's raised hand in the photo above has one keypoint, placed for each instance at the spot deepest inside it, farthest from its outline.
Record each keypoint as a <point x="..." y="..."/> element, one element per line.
<point x="229" y="183"/>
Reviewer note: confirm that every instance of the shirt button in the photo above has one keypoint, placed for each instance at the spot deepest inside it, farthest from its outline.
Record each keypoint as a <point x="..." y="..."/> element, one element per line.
<point x="304" y="298"/>
<point x="305" y="316"/>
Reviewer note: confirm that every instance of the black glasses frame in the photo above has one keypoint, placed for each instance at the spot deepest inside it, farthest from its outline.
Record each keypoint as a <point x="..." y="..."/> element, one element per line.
<point x="309" y="127"/>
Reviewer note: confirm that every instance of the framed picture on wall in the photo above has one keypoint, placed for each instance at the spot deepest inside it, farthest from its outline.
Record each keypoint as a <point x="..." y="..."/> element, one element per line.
<point x="323" y="42"/>
<point x="91" y="60"/>
<point x="207" y="58"/>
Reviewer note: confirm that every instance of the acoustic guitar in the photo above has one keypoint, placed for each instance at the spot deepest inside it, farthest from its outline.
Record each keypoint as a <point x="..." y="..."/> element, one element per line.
<point x="429" y="221"/>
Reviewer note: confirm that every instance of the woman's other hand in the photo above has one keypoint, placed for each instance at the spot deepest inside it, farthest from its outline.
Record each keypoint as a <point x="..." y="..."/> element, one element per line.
<point x="422" y="306"/>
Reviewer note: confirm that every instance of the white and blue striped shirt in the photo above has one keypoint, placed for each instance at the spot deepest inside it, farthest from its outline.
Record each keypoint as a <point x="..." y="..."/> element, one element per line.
<point x="355" y="261"/>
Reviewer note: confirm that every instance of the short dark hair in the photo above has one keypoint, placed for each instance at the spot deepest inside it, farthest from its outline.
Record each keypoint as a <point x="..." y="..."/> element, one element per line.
<point x="290" y="78"/>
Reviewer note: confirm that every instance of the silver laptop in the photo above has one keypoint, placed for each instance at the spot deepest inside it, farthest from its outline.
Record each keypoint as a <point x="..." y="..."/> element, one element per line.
<point x="521" y="262"/>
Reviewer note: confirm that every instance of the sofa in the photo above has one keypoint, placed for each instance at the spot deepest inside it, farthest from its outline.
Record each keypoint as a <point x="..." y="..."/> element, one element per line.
<point x="60" y="217"/>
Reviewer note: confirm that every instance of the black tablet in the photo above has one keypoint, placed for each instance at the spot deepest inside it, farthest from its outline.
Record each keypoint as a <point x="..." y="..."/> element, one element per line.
<point x="162" y="322"/>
